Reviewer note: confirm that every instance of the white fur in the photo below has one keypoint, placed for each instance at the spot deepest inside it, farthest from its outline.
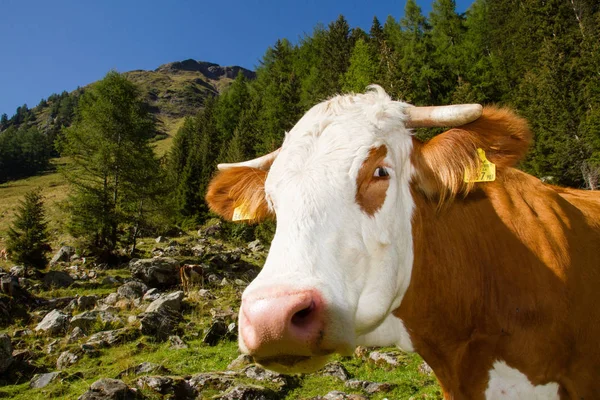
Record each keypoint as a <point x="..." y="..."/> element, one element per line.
<point x="361" y="264"/>
<point x="509" y="383"/>
<point x="391" y="332"/>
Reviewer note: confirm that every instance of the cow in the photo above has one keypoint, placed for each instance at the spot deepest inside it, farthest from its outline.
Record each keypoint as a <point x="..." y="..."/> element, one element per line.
<point x="4" y="254"/>
<point x="190" y="274"/>
<point x="442" y="248"/>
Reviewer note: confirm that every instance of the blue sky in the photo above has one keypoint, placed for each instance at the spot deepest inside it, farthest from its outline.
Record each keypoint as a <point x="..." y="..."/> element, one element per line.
<point x="51" y="46"/>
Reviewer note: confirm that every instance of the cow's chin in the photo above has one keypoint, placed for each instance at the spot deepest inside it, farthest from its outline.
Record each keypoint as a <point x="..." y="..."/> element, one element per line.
<point x="293" y="364"/>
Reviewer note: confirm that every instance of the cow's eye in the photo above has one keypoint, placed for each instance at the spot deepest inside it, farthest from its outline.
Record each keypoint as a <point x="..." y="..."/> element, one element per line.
<point x="381" y="172"/>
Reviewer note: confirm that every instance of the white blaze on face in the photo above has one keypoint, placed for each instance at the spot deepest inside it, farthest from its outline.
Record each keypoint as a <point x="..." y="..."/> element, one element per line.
<point x="359" y="259"/>
<point x="508" y="383"/>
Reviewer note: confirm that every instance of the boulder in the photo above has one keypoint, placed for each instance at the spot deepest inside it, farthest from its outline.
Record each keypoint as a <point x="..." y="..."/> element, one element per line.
<point x="211" y="381"/>
<point x="64" y="254"/>
<point x="88" y="319"/>
<point x="158" y="272"/>
<point x="86" y="302"/>
<point x="217" y="331"/>
<point x="66" y="359"/>
<point x="370" y="387"/>
<point x="255" y="246"/>
<point x="54" y="323"/>
<point x="42" y="380"/>
<point x="335" y="369"/>
<point x="151" y="295"/>
<point x="110" y="389"/>
<point x="260" y="374"/>
<point x="132" y="290"/>
<point x="57" y="279"/>
<point x="171" y="301"/>
<point x="6" y="358"/>
<point x="241" y="361"/>
<point x="109" y="338"/>
<point x="177" y="343"/>
<point x="167" y="385"/>
<point x="253" y="392"/>
<point x="159" y="324"/>
<point x="385" y="359"/>
<point x="144" y="368"/>
<point x="337" y="395"/>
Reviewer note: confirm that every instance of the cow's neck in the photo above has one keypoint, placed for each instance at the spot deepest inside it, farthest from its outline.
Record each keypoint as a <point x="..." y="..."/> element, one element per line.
<point x="478" y="283"/>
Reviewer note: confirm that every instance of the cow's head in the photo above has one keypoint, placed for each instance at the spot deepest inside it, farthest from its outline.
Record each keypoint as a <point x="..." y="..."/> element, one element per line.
<point x="341" y="258"/>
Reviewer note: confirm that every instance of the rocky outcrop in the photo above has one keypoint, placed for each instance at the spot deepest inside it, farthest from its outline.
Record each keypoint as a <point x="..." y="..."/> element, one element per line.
<point x="64" y="254"/>
<point x="54" y="323"/>
<point x="160" y="272"/>
<point x="110" y="389"/>
<point x="6" y="358"/>
<point x="210" y="70"/>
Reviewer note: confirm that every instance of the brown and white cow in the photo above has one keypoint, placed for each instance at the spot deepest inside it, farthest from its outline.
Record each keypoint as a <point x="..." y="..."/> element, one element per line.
<point x="189" y="274"/>
<point x="382" y="239"/>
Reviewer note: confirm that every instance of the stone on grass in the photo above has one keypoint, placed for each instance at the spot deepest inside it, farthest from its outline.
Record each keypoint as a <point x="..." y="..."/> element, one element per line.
<point x="160" y="272"/>
<point x="217" y="331"/>
<point x="167" y="385"/>
<point x="159" y="324"/>
<point x="66" y="359"/>
<point x="110" y="338"/>
<point x="250" y="392"/>
<point x="42" y="380"/>
<point x="255" y="246"/>
<point x="6" y="358"/>
<point x="385" y="359"/>
<point x="335" y="369"/>
<point x="109" y="389"/>
<point x="132" y="290"/>
<point x="54" y="323"/>
<point x="57" y="279"/>
<point x="177" y="343"/>
<point x="425" y="369"/>
<point x="151" y="295"/>
<point x="86" y="302"/>
<point x="76" y="334"/>
<point x="211" y="381"/>
<point x="64" y="254"/>
<point x="144" y="368"/>
<point x="171" y="301"/>
<point x="87" y="320"/>
<point x="241" y="361"/>
<point x="161" y="239"/>
<point x="337" y="395"/>
<point x="370" y="387"/>
<point x="260" y="374"/>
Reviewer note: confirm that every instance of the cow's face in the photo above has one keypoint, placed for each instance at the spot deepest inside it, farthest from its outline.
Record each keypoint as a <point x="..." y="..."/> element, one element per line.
<point x="341" y="258"/>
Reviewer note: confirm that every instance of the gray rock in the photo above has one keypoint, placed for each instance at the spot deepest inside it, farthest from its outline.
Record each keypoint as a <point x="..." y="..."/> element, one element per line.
<point x="211" y="381"/>
<point x="337" y="395"/>
<point x="167" y="385"/>
<point x="76" y="334"/>
<point x="177" y="343"/>
<point x="132" y="290"/>
<point x="64" y="254"/>
<point x="86" y="302"/>
<point x="249" y="392"/>
<point x="213" y="230"/>
<point x="144" y="368"/>
<point x="6" y="358"/>
<point x="370" y="387"/>
<point x="52" y="346"/>
<point x="151" y="295"/>
<point x="159" y="324"/>
<point x="109" y="338"/>
<point x="18" y="271"/>
<point x="110" y="281"/>
<point x="217" y="331"/>
<point x="42" y="380"/>
<point x="66" y="359"/>
<point x="88" y="319"/>
<point x="260" y="374"/>
<point x="255" y="246"/>
<point x="158" y="272"/>
<point x="171" y="301"/>
<point x="54" y="323"/>
<point x="161" y="239"/>
<point x="198" y="250"/>
<point x="241" y="361"/>
<point x="111" y="299"/>
<point x="57" y="279"/>
<point x="335" y="369"/>
<point x="385" y="359"/>
<point x="109" y="389"/>
<point x="425" y="369"/>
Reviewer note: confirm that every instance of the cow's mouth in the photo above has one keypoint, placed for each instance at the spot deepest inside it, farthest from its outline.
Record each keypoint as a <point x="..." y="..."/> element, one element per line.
<point x="290" y="364"/>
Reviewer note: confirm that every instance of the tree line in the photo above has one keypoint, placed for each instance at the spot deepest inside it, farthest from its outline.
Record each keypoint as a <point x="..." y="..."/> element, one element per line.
<point x="540" y="58"/>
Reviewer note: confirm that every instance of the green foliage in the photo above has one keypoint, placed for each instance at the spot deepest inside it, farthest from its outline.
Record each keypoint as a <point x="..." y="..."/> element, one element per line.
<point x="115" y="176"/>
<point x="24" y="151"/>
<point x="28" y="236"/>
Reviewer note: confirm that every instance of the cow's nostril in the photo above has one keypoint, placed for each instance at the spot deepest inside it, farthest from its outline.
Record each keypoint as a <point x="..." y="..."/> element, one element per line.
<point x="302" y="317"/>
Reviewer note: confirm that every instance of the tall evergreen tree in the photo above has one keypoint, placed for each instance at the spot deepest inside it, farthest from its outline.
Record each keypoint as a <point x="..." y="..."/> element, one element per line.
<point x="112" y="161"/>
<point x="28" y="235"/>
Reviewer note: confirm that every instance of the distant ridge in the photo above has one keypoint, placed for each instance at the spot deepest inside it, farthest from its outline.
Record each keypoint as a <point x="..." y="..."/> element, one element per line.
<point x="210" y="70"/>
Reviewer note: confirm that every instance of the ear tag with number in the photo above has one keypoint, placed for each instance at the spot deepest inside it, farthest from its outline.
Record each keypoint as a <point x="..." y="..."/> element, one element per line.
<point x="486" y="172"/>
<point x="241" y="214"/>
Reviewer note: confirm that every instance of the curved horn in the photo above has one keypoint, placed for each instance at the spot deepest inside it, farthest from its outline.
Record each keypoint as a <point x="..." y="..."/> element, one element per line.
<point x="427" y="117"/>
<point x="262" y="162"/>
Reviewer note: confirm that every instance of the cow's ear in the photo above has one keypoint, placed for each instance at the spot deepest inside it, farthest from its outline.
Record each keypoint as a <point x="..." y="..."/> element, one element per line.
<point x="499" y="136"/>
<point x="238" y="194"/>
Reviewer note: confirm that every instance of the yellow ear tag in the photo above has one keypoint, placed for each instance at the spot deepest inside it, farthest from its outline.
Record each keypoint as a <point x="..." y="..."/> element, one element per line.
<point x="486" y="173"/>
<point x="241" y="214"/>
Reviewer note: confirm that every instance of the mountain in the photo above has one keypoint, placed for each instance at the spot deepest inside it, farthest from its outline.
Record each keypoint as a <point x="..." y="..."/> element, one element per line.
<point x="173" y="91"/>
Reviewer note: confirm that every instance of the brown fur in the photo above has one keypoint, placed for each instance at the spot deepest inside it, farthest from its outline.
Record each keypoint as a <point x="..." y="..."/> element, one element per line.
<point x="370" y="190"/>
<point x="240" y="186"/>
<point x="4" y="254"/>
<point x="188" y="275"/>
<point x="509" y="272"/>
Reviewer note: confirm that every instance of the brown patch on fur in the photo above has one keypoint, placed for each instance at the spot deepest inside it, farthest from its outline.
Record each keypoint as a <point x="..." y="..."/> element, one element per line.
<point x="508" y="273"/>
<point x="371" y="190"/>
<point x="441" y="162"/>
<point x="239" y="186"/>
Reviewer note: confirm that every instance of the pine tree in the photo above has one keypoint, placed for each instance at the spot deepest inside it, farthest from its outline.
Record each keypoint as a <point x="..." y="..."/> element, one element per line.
<point x="28" y="236"/>
<point x="112" y="161"/>
<point x="363" y="68"/>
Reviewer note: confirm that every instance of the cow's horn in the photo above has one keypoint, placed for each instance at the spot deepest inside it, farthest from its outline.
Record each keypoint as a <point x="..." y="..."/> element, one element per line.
<point x="427" y="117"/>
<point x="262" y="162"/>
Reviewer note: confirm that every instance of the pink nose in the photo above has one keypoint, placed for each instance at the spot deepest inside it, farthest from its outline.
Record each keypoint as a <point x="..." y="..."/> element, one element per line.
<point x="282" y="322"/>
